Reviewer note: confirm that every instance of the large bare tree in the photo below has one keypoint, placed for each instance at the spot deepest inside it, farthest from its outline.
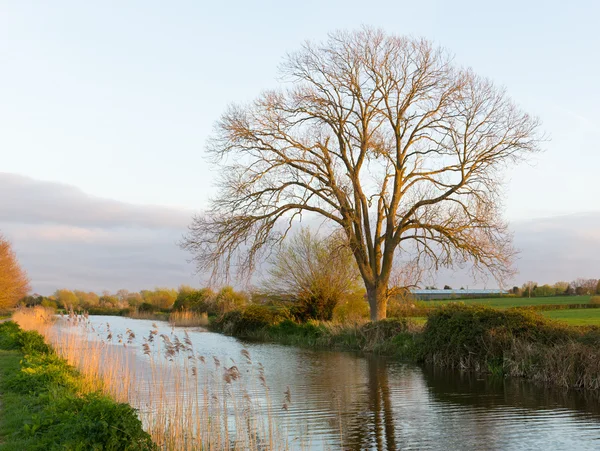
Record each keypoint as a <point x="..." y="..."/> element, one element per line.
<point x="384" y="137"/>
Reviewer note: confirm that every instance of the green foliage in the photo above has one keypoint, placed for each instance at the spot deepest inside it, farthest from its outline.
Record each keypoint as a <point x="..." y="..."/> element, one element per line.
<point x="162" y="298"/>
<point x="253" y="318"/>
<point x="49" y="304"/>
<point x="476" y="335"/>
<point x="66" y="298"/>
<point x="45" y="411"/>
<point x="352" y="309"/>
<point x="146" y="307"/>
<point x="228" y="299"/>
<point x="9" y="335"/>
<point x="313" y="306"/>
<point x="200" y="301"/>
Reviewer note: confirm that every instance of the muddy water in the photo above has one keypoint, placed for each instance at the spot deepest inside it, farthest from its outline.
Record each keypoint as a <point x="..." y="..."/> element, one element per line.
<point x="342" y="400"/>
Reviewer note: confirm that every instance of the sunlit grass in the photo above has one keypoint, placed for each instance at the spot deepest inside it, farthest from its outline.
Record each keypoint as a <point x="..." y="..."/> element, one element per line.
<point x="502" y="303"/>
<point x="575" y="317"/>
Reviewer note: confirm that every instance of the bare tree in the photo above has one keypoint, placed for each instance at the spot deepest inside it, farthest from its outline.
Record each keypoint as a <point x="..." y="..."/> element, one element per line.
<point x="384" y="137"/>
<point x="14" y="284"/>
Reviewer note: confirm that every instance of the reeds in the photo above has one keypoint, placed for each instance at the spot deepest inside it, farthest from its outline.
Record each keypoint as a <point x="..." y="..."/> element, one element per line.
<point x="185" y="401"/>
<point x="188" y="318"/>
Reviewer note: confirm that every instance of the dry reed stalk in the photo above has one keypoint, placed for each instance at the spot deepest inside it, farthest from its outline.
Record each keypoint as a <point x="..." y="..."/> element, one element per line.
<point x="179" y="411"/>
<point x="187" y="318"/>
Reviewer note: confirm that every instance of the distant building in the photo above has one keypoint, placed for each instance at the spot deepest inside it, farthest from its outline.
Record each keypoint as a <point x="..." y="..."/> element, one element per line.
<point x="428" y="295"/>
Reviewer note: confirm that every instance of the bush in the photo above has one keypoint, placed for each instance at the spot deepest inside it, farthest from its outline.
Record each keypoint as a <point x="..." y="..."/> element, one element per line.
<point x="49" y="304"/>
<point x="313" y="307"/>
<point x="9" y="336"/>
<point x="146" y="307"/>
<point x="353" y="309"/>
<point x="253" y="318"/>
<point x="595" y="300"/>
<point x="201" y="301"/>
<point x="460" y="335"/>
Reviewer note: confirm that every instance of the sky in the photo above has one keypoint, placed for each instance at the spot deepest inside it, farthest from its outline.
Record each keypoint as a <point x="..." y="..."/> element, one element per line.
<point x="105" y="109"/>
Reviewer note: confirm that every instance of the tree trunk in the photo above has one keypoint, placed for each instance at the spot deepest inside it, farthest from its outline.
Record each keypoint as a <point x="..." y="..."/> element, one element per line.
<point x="377" y="296"/>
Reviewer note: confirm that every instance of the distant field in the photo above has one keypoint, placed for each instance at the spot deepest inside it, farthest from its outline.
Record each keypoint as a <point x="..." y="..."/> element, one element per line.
<point x="576" y="317"/>
<point x="502" y="303"/>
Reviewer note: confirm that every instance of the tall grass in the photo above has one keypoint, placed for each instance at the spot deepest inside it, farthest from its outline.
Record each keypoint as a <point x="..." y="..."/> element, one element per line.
<point x="188" y="318"/>
<point x="185" y="401"/>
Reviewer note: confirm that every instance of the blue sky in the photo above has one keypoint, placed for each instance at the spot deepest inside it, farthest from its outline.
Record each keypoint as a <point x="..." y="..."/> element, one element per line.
<point x="118" y="98"/>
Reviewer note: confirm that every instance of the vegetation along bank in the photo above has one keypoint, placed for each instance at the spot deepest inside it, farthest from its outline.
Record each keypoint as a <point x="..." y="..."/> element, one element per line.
<point x="48" y="405"/>
<point x="514" y="342"/>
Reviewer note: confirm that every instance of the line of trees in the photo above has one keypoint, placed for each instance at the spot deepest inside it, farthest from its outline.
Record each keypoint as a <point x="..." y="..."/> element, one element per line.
<point x="578" y="287"/>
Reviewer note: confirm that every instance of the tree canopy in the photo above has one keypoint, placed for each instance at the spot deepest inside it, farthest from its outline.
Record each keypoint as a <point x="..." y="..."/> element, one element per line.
<point x="14" y="283"/>
<point x="384" y="137"/>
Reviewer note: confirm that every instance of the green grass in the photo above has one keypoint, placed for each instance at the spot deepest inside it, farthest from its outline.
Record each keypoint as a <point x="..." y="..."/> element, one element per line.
<point x="504" y="303"/>
<point x="576" y="317"/>
<point x="44" y="408"/>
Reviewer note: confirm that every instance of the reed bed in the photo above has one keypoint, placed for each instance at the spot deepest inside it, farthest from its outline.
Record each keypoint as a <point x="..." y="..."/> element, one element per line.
<point x="185" y="401"/>
<point x="188" y="318"/>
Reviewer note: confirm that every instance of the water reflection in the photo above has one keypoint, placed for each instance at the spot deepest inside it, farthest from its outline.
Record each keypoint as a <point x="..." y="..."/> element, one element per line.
<point x="347" y="401"/>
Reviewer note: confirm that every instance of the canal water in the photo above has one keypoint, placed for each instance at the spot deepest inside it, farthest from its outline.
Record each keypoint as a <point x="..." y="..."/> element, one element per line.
<point x="341" y="400"/>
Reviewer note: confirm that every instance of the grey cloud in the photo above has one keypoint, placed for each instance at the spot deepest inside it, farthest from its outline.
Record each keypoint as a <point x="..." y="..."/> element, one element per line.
<point x="65" y="238"/>
<point x="30" y="201"/>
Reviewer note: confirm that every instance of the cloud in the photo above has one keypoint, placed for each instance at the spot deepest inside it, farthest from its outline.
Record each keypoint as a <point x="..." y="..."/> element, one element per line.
<point x="66" y="238"/>
<point x="30" y="201"/>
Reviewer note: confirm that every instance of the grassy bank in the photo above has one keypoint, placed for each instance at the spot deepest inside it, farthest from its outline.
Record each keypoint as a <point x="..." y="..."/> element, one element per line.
<point x="47" y="404"/>
<point x="187" y="401"/>
<point x="512" y="342"/>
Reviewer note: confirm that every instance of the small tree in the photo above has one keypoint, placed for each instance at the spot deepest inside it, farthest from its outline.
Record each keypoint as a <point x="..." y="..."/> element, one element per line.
<point x="66" y="298"/>
<point x="14" y="284"/>
<point x="201" y="300"/>
<point x="316" y="274"/>
<point x="228" y="299"/>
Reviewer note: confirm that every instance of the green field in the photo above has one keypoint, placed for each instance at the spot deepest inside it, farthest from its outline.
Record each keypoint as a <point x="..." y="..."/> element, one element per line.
<point x="575" y="317"/>
<point x="502" y="303"/>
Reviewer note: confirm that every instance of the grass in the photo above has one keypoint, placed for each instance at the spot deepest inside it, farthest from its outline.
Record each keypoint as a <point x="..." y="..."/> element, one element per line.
<point x="189" y="402"/>
<point x="577" y="317"/>
<point x="504" y="303"/>
<point x="188" y="318"/>
<point x="47" y="404"/>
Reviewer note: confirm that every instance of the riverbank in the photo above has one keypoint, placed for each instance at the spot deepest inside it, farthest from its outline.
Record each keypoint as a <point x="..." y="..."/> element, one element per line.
<point x="513" y="342"/>
<point x="47" y="405"/>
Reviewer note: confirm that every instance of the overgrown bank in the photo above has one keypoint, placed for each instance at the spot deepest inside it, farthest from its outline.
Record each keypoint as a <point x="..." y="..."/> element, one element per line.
<point x="513" y="342"/>
<point x="46" y="406"/>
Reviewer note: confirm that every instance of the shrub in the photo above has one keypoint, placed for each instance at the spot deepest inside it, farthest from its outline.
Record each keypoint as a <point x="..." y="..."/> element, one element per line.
<point x="146" y="307"/>
<point x="253" y="318"/>
<point x="201" y="301"/>
<point x="476" y="336"/>
<point x="353" y="309"/>
<point x="595" y="300"/>
<point x="49" y="304"/>
<point x="9" y="335"/>
<point x="313" y="306"/>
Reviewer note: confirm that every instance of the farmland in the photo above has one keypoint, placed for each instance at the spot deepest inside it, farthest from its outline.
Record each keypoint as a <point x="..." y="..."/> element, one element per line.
<point x="509" y="302"/>
<point x="572" y="316"/>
